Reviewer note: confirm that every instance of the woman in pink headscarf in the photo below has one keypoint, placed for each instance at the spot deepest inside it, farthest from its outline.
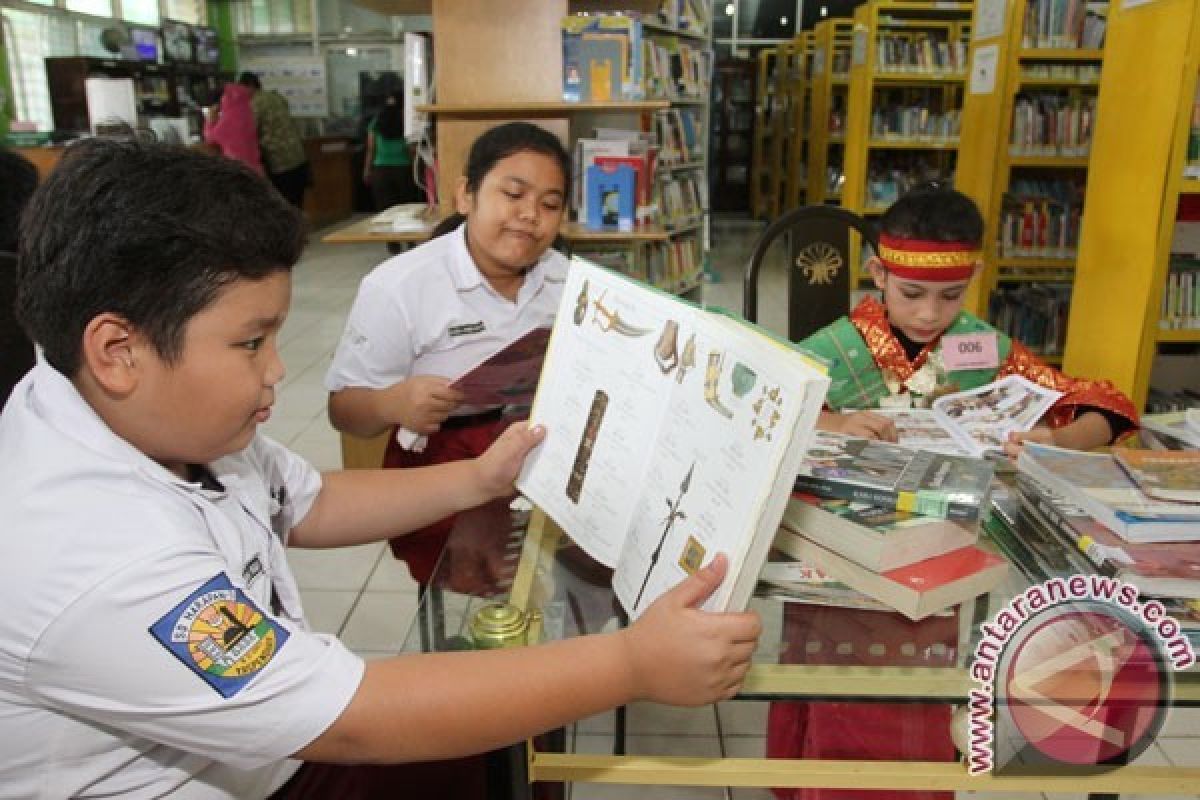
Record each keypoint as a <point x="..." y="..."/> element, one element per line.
<point x="230" y="126"/>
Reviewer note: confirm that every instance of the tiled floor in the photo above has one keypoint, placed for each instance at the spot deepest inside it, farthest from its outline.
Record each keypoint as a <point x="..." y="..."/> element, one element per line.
<point x="368" y="598"/>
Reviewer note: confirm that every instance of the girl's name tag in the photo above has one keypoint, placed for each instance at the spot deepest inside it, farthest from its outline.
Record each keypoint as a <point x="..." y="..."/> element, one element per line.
<point x="970" y="351"/>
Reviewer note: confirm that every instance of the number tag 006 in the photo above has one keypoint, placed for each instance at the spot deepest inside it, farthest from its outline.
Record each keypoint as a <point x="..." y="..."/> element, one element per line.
<point x="970" y="351"/>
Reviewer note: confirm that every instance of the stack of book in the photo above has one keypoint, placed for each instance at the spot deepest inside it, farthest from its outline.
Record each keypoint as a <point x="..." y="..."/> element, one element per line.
<point x="885" y="526"/>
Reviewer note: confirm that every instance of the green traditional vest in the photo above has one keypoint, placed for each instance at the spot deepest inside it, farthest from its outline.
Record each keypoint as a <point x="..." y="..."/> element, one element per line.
<point x="857" y="382"/>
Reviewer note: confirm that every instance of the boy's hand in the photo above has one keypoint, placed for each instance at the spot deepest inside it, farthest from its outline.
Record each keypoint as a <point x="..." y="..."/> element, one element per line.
<point x="424" y="402"/>
<point x="1012" y="448"/>
<point x="864" y="424"/>
<point x="688" y="657"/>
<point x="500" y="464"/>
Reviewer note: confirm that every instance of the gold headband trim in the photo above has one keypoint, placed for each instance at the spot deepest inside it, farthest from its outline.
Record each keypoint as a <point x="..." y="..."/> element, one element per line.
<point x="937" y="260"/>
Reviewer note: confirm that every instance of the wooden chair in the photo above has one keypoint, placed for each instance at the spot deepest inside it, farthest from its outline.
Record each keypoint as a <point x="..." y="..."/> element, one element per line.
<point x="818" y="258"/>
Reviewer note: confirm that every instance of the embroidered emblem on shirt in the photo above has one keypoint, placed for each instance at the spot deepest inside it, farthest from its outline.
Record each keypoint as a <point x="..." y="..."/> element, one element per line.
<point x="467" y="329"/>
<point x="252" y="570"/>
<point x="220" y="634"/>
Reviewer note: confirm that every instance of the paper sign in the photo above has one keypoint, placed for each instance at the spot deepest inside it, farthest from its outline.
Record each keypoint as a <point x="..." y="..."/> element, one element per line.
<point x="989" y="19"/>
<point x="970" y="351"/>
<point x="983" y="69"/>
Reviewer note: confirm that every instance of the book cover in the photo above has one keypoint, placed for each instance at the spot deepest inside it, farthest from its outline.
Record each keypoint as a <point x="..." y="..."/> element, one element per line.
<point x="510" y="376"/>
<point x="916" y="590"/>
<point x="674" y="434"/>
<point x="1173" y="429"/>
<point x="601" y="63"/>
<point x="642" y="165"/>
<point x="1172" y="475"/>
<point x="1097" y="484"/>
<point x="586" y="153"/>
<point x="893" y="476"/>
<point x="611" y="201"/>
<point x="877" y="538"/>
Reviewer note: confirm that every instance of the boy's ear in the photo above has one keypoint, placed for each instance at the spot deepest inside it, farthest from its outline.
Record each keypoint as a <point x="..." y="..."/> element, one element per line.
<point x="462" y="202"/>
<point x="878" y="271"/>
<point x="108" y="353"/>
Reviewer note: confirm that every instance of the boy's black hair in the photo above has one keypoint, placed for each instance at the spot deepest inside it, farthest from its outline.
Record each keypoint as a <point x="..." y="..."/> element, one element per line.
<point x="389" y="122"/>
<point x="497" y="144"/>
<point x="936" y="213"/>
<point x="19" y="178"/>
<point x="148" y="231"/>
<point x="250" y="79"/>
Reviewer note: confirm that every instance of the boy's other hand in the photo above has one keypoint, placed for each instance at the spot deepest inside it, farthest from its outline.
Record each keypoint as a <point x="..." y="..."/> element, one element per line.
<point x="688" y="657"/>
<point x="868" y="425"/>
<point x="500" y="464"/>
<point x="425" y="401"/>
<point x="1012" y="448"/>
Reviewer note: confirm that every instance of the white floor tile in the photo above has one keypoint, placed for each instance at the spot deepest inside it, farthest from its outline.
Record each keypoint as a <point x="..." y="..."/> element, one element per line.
<point x="1182" y="722"/>
<point x="345" y="568"/>
<point x="391" y="575"/>
<point x="327" y="610"/>
<point x="380" y="622"/>
<point x="653" y="719"/>
<point x="743" y="718"/>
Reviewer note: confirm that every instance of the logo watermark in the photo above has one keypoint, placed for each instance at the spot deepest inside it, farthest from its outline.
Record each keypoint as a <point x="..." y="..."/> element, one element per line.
<point x="1072" y="671"/>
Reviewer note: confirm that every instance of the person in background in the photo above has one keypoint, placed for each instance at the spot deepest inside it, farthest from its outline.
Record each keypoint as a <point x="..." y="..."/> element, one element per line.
<point x="280" y="141"/>
<point x="231" y="128"/>
<point x="153" y="641"/>
<point x="388" y="167"/>
<point x="425" y="317"/>
<point x="19" y="178"/>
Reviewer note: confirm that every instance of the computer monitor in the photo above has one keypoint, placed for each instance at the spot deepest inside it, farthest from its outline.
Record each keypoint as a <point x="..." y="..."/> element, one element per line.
<point x="145" y="43"/>
<point x="177" y="42"/>
<point x="208" y="51"/>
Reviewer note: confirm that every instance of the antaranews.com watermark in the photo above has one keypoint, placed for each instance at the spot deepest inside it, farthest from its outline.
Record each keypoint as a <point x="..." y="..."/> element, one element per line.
<point x="1078" y="670"/>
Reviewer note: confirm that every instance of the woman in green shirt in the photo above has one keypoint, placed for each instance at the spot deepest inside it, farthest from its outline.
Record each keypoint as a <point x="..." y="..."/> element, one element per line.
<point x="388" y="167"/>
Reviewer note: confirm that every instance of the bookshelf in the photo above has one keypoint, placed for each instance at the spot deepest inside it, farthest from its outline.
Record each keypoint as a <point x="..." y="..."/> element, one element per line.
<point x="732" y="134"/>
<point x="796" y="162"/>
<point x="907" y="74"/>
<point x="764" y="107"/>
<point x="830" y="91"/>
<point x="1139" y="155"/>
<point x="789" y="70"/>
<point x="1026" y="161"/>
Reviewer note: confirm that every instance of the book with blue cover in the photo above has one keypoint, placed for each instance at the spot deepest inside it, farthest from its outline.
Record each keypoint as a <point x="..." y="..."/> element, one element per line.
<point x="611" y="197"/>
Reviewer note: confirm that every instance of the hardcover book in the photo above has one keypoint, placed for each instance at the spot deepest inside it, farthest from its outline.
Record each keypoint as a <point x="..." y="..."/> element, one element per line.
<point x="1173" y="476"/>
<point x="611" y="197"/>
<point x="877" y="538"/>
<point x="509" y="377"/>
<point x="895" y="477"/>
<point x="673" y="434"/>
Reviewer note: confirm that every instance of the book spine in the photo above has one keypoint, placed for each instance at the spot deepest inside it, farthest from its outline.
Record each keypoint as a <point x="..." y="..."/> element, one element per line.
<point x="928" y="503"/>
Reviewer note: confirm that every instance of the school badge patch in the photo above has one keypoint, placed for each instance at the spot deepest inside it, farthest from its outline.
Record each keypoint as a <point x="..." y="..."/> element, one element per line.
<point x="220" y="634"/>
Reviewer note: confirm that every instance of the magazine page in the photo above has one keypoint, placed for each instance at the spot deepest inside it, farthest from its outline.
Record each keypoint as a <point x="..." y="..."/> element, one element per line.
<point x="510" y="377"/>
<point x="982" y="418"/>
<point x="921" y="429"/>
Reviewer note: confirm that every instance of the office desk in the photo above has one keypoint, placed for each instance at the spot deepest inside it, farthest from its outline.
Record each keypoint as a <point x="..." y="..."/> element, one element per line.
<point x="535" y="567"/>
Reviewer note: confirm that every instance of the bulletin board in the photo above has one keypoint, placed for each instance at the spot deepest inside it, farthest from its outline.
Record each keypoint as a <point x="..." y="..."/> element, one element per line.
<point x="300" y="79"/>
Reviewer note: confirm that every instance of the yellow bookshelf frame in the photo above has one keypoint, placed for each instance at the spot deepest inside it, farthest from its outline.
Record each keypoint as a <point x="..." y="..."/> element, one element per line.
<point x="831" y="36"/>
<point x="760" y="177"/>
<point x="789" y="64"/>
<point x="1139" y="150"/>
<point x="801" y="87"/>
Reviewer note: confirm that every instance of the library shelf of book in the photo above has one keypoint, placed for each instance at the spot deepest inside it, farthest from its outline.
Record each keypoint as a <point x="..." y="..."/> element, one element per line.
<point x="795" y="169"/>
<point x="787" y="96"/>
<point x="1025" y="160"/>
<point x="907" y="71"/>
<point x="764" y="99"/>
<point x="1144" y="161"/>
<point x="827" y="126"/>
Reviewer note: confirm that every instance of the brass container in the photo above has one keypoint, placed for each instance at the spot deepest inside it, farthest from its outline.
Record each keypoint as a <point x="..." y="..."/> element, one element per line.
<point x="499" y="625"/>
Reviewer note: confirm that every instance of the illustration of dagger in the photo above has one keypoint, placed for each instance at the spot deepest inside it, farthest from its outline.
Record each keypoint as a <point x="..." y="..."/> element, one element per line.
<point x="674" y="514"/>
<point x="609" y="320"/>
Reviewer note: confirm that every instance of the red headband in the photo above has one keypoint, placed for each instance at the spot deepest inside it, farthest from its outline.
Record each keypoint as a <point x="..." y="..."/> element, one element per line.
<point x="924" y="260"/>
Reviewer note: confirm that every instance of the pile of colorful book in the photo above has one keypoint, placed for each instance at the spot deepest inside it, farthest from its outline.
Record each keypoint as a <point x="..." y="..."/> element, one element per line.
<point x="880" y="526"/>
<point x="1133" y="515"/>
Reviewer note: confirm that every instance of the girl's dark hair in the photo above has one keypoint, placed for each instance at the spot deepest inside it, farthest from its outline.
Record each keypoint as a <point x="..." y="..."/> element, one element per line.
<point x="497" y="144"/>
<point x="389" y="122"/>
<point x="149" y="232"/>
<point x="934" y="212"/>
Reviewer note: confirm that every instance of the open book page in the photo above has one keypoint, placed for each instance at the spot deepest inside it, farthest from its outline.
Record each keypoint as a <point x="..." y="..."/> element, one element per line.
<point x="509" y="377"/>
<point x="921" y="429"/>
<point x="668" y="429"/>
<point x="981" y="418"/>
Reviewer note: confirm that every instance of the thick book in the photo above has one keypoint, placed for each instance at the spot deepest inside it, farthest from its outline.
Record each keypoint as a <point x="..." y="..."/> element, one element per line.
<point x="894" y="476"/>
<point x="877" y="538"/>
<point x="1172" y="475"/>
<point x="977" y="421"/>
<point x="794" y="581"/>
<point x="673" y="434"/>
<point x="1098" y="485"/>
<point x="916" y="590"/>
<point x="1161" y="569"/>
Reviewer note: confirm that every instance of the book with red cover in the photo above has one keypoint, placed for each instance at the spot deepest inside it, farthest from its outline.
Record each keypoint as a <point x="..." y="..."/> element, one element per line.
<point x="509" y="377"/>
<point x="916" y="590"/>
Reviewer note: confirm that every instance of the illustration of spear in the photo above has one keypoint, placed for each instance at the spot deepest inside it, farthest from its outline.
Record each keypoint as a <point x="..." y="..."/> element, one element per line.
<point x="675" y="513"/>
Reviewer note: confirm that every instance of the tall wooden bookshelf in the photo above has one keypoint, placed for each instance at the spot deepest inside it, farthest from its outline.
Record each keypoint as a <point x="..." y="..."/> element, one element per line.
<point x="801" y="103"/>
<point x="830" y="96"/>
<point x="764" y="109"/>
<point x="907" y="75"/>
<point x="789" y="76"/>
<point x="1025" y="162"/>
<point x="1137" y="177"/>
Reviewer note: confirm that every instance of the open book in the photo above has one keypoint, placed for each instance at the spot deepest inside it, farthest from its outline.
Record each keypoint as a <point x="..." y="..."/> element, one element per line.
<point x="975" y="421"/>
<point x="673" y="434"/>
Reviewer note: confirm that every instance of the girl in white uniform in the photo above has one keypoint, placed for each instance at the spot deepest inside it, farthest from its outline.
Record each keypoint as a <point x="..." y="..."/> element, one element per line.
<point x="427" y="316"/>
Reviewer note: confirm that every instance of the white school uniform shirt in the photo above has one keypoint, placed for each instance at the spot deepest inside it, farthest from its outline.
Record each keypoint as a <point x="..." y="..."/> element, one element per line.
<point x="152" y="642"/>
<point x="431" y="312"/>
